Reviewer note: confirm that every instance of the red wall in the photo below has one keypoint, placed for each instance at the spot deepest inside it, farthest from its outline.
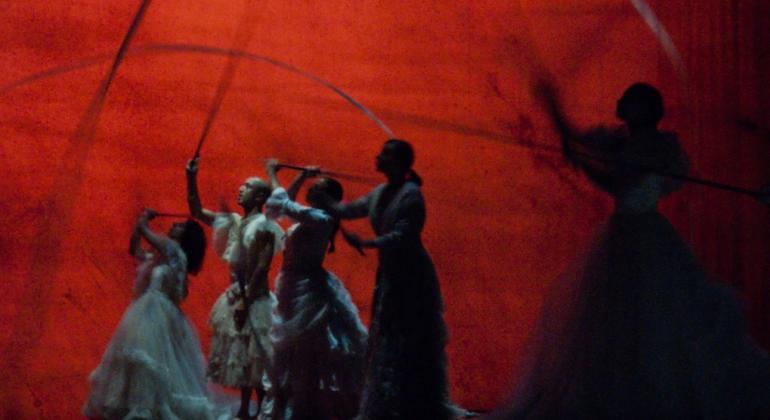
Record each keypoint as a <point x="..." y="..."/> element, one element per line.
<point x="505" y="215"/>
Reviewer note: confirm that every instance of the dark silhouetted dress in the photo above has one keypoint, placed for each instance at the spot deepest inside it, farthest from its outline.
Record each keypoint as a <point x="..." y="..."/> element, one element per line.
<point x="635" y="328"/>
<point x="406" y="372"/>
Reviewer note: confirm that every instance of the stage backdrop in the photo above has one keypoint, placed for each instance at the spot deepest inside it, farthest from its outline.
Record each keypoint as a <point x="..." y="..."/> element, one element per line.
<point x="505" y="215"/>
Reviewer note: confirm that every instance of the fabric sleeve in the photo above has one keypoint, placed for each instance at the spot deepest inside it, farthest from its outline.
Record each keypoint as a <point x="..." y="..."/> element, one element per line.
<point x="410" y="219"/>
<point x="279" y="204"/>
<point x="225" y="233"/>
<point x="263" y="224"/>
<point x="357" y="208"/>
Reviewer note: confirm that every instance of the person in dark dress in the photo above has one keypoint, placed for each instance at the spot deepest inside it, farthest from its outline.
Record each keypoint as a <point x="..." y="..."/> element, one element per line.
<point x="406" y="368"/>
<point x="636" y="328"/>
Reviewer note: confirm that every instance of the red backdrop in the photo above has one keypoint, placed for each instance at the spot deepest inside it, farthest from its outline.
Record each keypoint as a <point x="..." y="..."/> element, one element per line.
<point x="505" y="215"/>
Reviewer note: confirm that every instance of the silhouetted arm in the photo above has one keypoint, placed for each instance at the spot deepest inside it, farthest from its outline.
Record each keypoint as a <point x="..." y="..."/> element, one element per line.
<point x="134" y="244"/>
<point x="298" y="181"/>
<point x="410" y="219"/>
<point x="193" y="199"/>
<point x="158" y="241"/>
<point x="545" y="92"/>
<point x="356" y="209"/>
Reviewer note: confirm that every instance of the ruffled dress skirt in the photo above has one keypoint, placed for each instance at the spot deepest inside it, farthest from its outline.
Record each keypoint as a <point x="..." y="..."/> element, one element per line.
<point x="153" y="367"/>
<point x="240" y="358"/>
<point x="319" y="344"/>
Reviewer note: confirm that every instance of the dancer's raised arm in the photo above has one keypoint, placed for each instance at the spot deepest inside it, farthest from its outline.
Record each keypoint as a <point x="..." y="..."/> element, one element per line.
<point x="309" y="172"/>
<point x="545" y="91"/>
<point x="193" y="199"/>
<point x="273" y="166"/>
<point x="135" y="243"/>
<point x="356" y="209"/>
<point x="158" y="241"/>
<point x="595" y="152"/>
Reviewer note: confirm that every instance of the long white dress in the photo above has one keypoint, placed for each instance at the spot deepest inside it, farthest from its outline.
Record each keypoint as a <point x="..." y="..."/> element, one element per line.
<point x="636" y="329"/>
<point x="318" y="338"/>
<point x="153" y="367"/>
<point x="240" y="358"/>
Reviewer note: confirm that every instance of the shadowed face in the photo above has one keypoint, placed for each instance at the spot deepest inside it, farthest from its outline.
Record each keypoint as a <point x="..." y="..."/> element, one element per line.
<point x="252" y="193"/>
<point x="386" y="161"/>
<point x="640" y="106"/>
<point x="176" y="231"/>
<point x="314" y="193"/>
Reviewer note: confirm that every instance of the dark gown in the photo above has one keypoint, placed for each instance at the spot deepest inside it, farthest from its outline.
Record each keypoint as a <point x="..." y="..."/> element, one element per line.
<point x="406" y="367"/>
<point x="635" y="328"/>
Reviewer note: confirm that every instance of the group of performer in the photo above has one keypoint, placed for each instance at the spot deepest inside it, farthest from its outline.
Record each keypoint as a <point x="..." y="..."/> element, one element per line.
<point x="634" y="329"/>
<point x="304" y="349"/>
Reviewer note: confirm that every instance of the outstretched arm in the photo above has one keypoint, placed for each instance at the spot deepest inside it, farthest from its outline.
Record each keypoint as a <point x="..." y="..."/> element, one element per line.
<point x="355" y="209"/>
<point x="272" y="166"/>
<point x="193" y="199"/>
<point x="134" y="244"/>
<point x="309" y="172"/>
<point x="594" y="152"/>
<point x="545" y="91"/>
<point x="408" y="224"/>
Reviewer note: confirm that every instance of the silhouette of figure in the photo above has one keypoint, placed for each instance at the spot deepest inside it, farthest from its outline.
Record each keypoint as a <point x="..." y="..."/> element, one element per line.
<point x="635" y="329"/>
<point x="406" y="372"/>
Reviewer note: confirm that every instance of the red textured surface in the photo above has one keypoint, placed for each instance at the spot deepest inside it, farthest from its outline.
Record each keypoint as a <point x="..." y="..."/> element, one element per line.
<point x="504" y="218"/>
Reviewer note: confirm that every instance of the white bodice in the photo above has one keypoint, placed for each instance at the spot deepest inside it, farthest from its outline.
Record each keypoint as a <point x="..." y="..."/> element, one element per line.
<point x="630" y="168"/>
<point x="164" y="273"/>
<point x="234" y="235"/>
<point x="307" y="240"/>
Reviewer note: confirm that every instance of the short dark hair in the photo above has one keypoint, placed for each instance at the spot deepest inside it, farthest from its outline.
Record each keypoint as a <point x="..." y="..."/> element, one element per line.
<point x="404" y="154"/>
<point x="332" y="187"/>
<point x="403" y="151"/>
<point x="644" y="94"/>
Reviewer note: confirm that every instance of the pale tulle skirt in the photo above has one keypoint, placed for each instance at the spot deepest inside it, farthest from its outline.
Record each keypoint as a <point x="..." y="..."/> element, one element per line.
<point x="240" y="358"/>
<point x="319" y="344"/>
<point x="153" y="367"/>
<point x="636" y="330"/>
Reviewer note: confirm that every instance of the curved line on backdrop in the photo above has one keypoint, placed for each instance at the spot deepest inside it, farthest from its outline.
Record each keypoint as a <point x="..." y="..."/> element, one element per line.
<point x="29" y="323"/>
<point x="663" y="37"/>
<point x="200" y="49"/>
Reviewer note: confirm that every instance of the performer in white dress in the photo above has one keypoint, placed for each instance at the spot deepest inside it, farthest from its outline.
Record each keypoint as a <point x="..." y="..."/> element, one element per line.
<point x="636" y="329"/>
<point x="318" y="338"/>
<point x="240" y="352"/>
<point x="153" y="367"/>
